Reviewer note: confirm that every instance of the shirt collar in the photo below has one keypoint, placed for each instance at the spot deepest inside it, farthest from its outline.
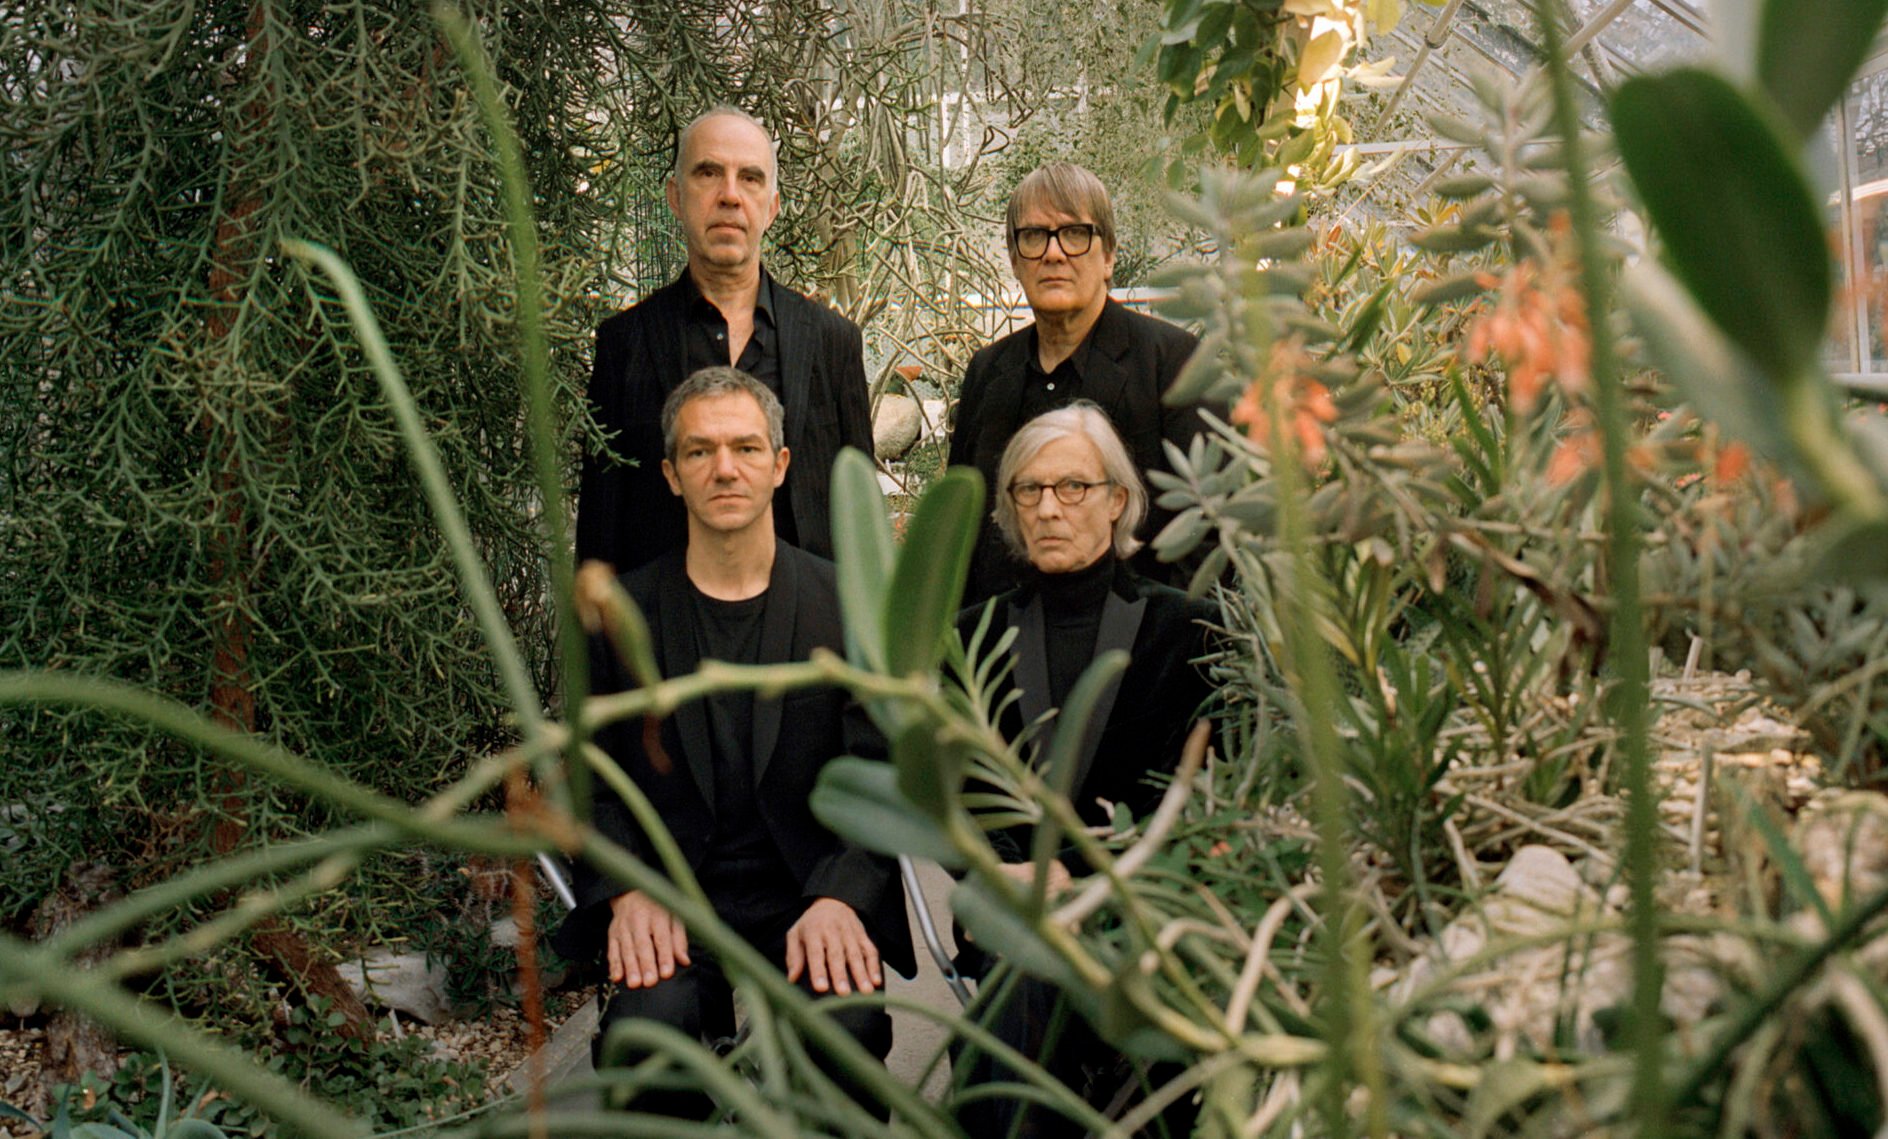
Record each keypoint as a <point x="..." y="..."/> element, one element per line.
<point x="1077" y="361"/>
<point x="763" y="300"/>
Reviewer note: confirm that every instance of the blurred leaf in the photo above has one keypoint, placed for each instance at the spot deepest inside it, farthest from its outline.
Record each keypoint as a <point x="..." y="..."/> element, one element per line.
<point x="862" y="545"/>
<point x="1807" y="51"/>
<point x="1740" y="225"/>
<point x="998" y="929"/>
<point x="1464" y="186"/>
<point x="927" y="585"/>
<point x="1504" y="1086"/>
<point x="859" y="800"/>
<point x="1853" y="549"/>
<point x="1458" y="287"/>
<point x="1454" y="239"/>
<point x="929" y="769"/>
<point x="1713" y="376"/>
<point x="1280" y="244"/>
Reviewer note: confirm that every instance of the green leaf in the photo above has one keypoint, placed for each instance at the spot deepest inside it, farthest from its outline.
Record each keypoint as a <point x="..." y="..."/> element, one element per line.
<point x="1459" y="287"/>
<point x="1741" y="227"/>
<point x="1504" y="1086"/>
<point x="930" y="770"/>
<point x="194" y="1129"/>
<point x="928" y="581"/>
<point x="1000" y="930"/>
<point x="858" y="800"/>
<point x="1453" y="239"/>
<point x="1280" y="244"/>
<point x="1713" y="376"/>
<point x="862" y="545"/>
<point x="1464" y="186"/>
<point x="1808" y="50"/>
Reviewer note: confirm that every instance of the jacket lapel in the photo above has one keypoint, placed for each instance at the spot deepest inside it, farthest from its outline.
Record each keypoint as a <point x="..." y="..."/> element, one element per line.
<point x="795" y="350"/>
<point x="672" y="364"/>
<point x="776" y="645"/>
<point x="681" y="655"/>
<point x="1120" y="624"/>
<point x="1104" y="375"/>
<point x="1032" y="660"/>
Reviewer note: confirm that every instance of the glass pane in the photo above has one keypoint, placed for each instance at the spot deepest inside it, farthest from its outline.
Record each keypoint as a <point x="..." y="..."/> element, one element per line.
<point x="1867" y="247"/>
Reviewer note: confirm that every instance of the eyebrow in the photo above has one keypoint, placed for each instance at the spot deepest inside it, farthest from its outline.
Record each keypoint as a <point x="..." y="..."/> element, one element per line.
<point x="712" y="166"/>
<point x="705" y="441"/>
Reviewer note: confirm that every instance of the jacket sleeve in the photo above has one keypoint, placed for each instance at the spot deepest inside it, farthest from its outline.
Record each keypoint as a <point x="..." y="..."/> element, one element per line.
<point x="850" y="873"/>
<point x="854" y="395"/>
<point x="600" y="487"/>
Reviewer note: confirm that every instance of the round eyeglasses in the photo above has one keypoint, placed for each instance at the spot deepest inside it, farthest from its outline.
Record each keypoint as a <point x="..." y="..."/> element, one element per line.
<point x="1067" y="491"/>
<point x="1032" y="241"/>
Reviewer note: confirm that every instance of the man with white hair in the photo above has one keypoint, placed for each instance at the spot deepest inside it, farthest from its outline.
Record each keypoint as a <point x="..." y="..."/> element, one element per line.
<point x="1068" y="499"/>
<point x="725" y="310"/>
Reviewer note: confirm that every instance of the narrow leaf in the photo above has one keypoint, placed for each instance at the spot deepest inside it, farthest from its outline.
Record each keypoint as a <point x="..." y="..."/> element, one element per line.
<point x="858" y="800"/>
<point x="928" y="581"/>
<point x="862" y="545"/>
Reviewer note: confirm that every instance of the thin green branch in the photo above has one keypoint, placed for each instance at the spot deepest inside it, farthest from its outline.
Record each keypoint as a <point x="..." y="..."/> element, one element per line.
<point x="1628" y="645"/>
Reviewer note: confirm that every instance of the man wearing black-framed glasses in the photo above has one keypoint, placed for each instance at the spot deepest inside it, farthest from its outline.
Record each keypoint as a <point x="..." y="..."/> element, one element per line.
<point x="1083" y="345"/>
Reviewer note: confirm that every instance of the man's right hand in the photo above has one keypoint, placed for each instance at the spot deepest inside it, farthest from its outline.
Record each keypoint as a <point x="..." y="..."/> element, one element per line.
<point x="645" y="941"/>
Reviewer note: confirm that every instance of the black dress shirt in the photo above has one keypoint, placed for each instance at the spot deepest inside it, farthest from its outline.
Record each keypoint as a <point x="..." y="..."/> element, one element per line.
<point x="706" y="341"/>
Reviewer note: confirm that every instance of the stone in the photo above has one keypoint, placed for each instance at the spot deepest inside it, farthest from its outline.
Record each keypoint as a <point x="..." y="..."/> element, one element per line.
<point x="895" y="426"/>
<point x="405" y="982"/>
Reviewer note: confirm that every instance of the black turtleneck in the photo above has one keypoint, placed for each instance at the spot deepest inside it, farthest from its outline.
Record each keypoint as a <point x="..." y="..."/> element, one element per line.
<point x="1071" y="615"/>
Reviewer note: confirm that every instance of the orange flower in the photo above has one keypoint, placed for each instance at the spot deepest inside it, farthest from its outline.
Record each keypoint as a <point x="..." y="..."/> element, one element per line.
<point x="1538" y="329"/>
<point x="1308" y="404"/>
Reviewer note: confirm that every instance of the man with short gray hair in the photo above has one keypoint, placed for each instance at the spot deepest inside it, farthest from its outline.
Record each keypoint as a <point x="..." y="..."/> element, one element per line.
<point x="1083" y="345"/>
<point x="731" y="774"/>
<point x="724" y="310"/>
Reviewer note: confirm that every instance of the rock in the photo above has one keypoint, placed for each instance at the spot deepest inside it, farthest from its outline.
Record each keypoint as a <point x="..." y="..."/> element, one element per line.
<point x="1842" y="837"/>
<point x="404" y="982"/>
<point x="895" y="426"/>
<point x="1527" y="993"/>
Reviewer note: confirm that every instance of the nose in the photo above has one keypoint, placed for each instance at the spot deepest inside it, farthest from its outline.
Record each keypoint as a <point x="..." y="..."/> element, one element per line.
<point x="730" y="189"/>
<point x="1049" y="506"/>
<point x="1054" y="249"/>
<point x="725" y="467"/>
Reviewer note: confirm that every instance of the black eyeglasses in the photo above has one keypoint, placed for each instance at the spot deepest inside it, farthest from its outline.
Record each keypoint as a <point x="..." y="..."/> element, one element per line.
<point x="1067" y="491"/>
<point x="1032" y="241"/>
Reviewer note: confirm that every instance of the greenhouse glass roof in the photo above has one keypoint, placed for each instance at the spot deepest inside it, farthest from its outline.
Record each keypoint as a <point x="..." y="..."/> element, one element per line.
<point x="1440" y="52"/>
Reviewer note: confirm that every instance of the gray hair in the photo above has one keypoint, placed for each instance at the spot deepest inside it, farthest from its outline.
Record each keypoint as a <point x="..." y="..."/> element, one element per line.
<point x="1067" y="189"/>
<point x="726" y="110"/>
<point x="719" y="381"/>
<point x="1085" y="418"/>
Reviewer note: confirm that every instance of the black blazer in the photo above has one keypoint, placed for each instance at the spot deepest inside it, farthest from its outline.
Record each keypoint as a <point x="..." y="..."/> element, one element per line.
<point x="1132" y="360"/>
<point x="626" y="514"/>
<point x="1140" y="723"/>
<point x="794" y="736"/>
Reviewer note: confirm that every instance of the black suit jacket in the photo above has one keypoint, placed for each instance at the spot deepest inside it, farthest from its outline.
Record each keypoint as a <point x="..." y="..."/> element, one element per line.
<point x="1132" y="360"/>
<point x="1140" y="723"/>
<point x="626" y="514"/>
<point x="794" y="736"/>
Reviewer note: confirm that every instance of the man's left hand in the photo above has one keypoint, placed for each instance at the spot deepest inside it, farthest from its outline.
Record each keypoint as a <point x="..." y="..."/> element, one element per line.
<point x="830" y="945"/>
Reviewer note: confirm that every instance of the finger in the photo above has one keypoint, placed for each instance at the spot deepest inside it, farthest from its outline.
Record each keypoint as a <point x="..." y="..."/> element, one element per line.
<point x="817" y="973"/>
<point x="678" y="941"/>
<point x="796" y="955"/>
<point x="645" y="946"/>
<point x="663" y="939"/>
<point x="614" y="945"/>
<point x="874" y="968"/>
<point x="855" y="965"/>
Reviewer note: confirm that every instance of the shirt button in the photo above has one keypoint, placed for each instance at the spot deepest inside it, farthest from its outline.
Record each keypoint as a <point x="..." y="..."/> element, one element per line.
<point x="1051" y="385"/>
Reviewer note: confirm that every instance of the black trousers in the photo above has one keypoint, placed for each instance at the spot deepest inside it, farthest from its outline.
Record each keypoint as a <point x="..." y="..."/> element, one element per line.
<point x="698" y="1001"/>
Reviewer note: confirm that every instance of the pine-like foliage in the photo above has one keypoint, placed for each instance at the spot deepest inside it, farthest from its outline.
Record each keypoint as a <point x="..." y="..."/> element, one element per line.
<point x="200" y="489"/>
